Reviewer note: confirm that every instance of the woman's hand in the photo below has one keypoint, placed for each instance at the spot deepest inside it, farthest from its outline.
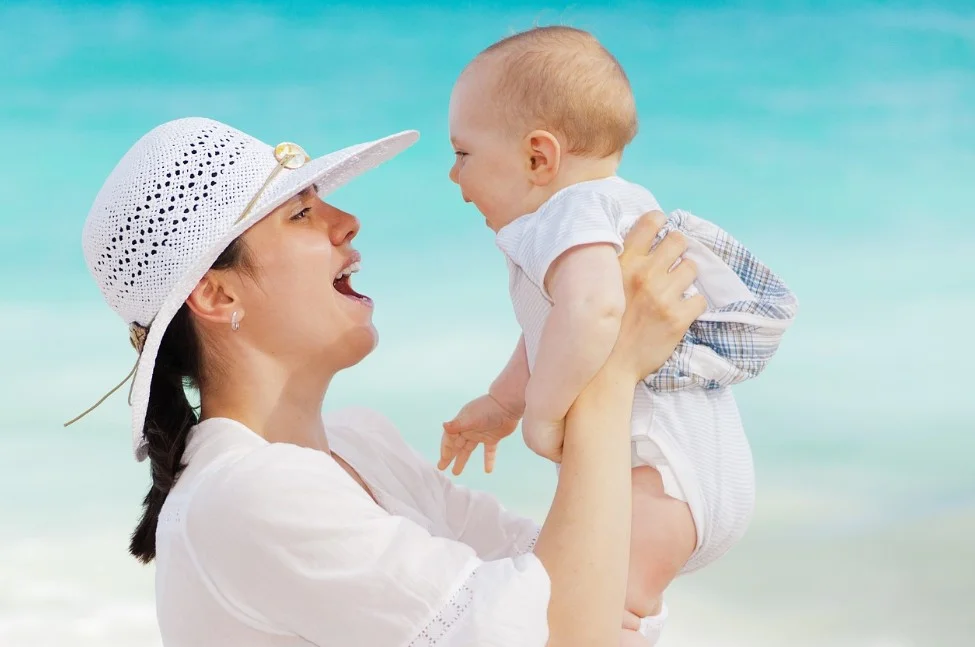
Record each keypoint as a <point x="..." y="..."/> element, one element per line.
<point x="657" y="314"/>
<point x="585" y="540"/>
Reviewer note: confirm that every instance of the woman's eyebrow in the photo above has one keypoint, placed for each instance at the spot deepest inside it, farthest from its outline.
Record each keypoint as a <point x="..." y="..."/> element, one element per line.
<point x="302" y="195"/>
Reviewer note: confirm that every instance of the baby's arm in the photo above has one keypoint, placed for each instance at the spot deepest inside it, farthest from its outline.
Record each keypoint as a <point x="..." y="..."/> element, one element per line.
<point x="489" y="418"/>
<point x="509" y="386"/>
<point x="586" y="288"/>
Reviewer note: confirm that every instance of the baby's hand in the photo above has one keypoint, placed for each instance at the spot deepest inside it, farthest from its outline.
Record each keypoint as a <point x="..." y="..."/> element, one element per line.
<point x="483" y="420"/>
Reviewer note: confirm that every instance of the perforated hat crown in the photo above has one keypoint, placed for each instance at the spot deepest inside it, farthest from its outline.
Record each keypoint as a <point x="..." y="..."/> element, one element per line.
<point x="176" y="200"/>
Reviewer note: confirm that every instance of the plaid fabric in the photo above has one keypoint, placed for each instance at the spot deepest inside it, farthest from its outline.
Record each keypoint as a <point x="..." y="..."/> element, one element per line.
<point x="735" y="339"/>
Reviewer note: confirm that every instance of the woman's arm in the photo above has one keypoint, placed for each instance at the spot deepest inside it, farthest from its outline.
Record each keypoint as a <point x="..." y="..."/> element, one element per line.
<point x="584" y="543"/>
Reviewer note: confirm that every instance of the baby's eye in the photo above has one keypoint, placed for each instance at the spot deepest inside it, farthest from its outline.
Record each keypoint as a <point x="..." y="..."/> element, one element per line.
<point x="301" y="214"/>
<point x="460" y="154"/>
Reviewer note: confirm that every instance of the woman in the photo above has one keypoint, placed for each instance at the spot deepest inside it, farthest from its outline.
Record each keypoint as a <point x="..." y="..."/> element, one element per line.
<point x="271" y="526"/>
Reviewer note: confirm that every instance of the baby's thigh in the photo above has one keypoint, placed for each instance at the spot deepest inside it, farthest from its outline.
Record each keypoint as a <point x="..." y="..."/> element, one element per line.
<point x="662" y="539"/>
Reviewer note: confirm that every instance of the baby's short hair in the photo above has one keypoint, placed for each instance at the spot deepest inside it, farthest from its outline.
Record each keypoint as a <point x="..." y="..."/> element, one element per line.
<point x="563" y="80"/>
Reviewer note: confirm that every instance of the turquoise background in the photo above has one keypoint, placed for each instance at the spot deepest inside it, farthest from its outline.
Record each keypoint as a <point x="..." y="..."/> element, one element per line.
<point x="837" y="140"/>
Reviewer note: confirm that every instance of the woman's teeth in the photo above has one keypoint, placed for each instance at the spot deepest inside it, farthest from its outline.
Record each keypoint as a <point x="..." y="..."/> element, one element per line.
<point x="351" y="269"/>
<point x="342" y="285"/>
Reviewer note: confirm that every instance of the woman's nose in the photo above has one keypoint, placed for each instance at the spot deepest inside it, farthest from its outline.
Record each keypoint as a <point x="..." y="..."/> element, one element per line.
<point x="342" y="226"/>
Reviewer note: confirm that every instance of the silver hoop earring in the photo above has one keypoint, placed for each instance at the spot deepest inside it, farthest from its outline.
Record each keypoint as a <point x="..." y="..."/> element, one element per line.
<point x="234" y="324"/>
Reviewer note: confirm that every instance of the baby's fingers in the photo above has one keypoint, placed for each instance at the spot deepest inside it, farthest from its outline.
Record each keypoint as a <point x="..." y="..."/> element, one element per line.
<point x="463" y="455"/>
<point x="490" y="452"/>
<point x="465" y="422"/>
<point x="448" y="450"/>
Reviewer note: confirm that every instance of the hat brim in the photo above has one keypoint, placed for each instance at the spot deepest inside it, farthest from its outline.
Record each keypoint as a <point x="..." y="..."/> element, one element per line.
<point x="327" y="173"/>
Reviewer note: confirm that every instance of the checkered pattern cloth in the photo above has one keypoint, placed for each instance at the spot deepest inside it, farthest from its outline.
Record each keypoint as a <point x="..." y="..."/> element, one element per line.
<point x="749" y="309"/>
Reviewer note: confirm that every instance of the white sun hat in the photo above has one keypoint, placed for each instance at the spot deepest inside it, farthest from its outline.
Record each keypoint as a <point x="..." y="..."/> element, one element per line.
<point x="174" y="203"/>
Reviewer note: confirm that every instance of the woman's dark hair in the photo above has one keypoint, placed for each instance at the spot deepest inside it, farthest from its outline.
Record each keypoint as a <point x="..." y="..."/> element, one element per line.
<point x="169" y="415"/>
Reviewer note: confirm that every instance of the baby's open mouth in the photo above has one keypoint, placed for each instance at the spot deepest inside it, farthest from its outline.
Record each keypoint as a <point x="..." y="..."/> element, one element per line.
<point x="343" y="284"/>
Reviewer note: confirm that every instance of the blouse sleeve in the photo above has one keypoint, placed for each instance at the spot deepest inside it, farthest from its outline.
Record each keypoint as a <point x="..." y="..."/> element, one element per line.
<point x="475" y="518"/>
<point x="480" y="521"/>
<point x="290" y="544"/>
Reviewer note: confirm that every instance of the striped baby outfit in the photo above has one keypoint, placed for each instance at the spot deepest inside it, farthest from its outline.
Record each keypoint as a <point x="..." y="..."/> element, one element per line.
<point x="685" y="420"/>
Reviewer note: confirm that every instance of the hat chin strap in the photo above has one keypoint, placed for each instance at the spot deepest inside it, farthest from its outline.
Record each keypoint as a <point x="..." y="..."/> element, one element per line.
<point x="137" y="337"/>
<point x="106" y="396"/>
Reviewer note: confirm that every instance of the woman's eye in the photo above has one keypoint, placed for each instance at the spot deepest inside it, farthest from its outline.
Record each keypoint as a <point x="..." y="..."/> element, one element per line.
<point x="301" y="214"/>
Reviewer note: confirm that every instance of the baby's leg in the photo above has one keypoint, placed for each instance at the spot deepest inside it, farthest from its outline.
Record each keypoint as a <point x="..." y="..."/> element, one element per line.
<point x="662" y="539"/>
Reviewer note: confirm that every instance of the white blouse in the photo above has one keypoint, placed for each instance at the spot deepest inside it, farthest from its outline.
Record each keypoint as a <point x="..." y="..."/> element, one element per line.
<point x="273" y="545"/>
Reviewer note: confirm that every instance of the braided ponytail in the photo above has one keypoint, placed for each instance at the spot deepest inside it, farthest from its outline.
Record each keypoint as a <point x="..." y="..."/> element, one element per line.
<point x="169" y="415"/>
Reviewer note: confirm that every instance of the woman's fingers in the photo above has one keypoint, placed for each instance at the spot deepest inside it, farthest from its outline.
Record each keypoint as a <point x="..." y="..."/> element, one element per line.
<point x="657" y="313"/>
<point x="684" y="275"/>
<point x="693" y="308"/>
<point x="640" y="237"/>
<point x="671" y="248"/>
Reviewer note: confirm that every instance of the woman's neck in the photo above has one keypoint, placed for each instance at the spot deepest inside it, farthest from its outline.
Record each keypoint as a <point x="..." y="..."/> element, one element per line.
<point x="280" y="404"/>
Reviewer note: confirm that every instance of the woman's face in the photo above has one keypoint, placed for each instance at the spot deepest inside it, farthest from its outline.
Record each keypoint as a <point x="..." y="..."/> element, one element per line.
<point x="300" y="308"/>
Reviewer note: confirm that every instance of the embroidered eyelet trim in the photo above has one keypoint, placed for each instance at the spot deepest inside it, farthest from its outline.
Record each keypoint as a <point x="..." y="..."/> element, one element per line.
<point x="449" y="614"/>
<point x="530" y="545"/>
<point x="172" y="517"/>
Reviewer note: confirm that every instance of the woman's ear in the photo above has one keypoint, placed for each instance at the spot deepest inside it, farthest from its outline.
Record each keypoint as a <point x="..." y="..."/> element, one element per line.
<point x="214" y="299"/>
<point x="543" y="156"/>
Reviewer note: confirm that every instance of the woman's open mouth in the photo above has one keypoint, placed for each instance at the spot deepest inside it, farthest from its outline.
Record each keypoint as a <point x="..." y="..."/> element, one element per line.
<point x="343" y="284"/>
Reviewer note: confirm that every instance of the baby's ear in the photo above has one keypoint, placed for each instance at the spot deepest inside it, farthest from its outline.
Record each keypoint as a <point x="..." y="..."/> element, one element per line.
<point x="543" y="156"/>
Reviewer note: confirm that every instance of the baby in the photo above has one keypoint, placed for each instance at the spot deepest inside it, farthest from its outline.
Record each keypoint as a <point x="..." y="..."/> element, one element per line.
<point x="538" y="122"/>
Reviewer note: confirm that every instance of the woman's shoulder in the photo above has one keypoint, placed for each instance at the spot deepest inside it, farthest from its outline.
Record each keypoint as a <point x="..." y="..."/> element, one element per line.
<point x="364" y="429"/>
<point x="238" y="480"/>
<point x="246" y="480"/>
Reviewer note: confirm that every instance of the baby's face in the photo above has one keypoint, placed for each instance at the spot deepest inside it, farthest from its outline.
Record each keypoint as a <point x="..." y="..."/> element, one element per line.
<point x="488" y="158"/>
